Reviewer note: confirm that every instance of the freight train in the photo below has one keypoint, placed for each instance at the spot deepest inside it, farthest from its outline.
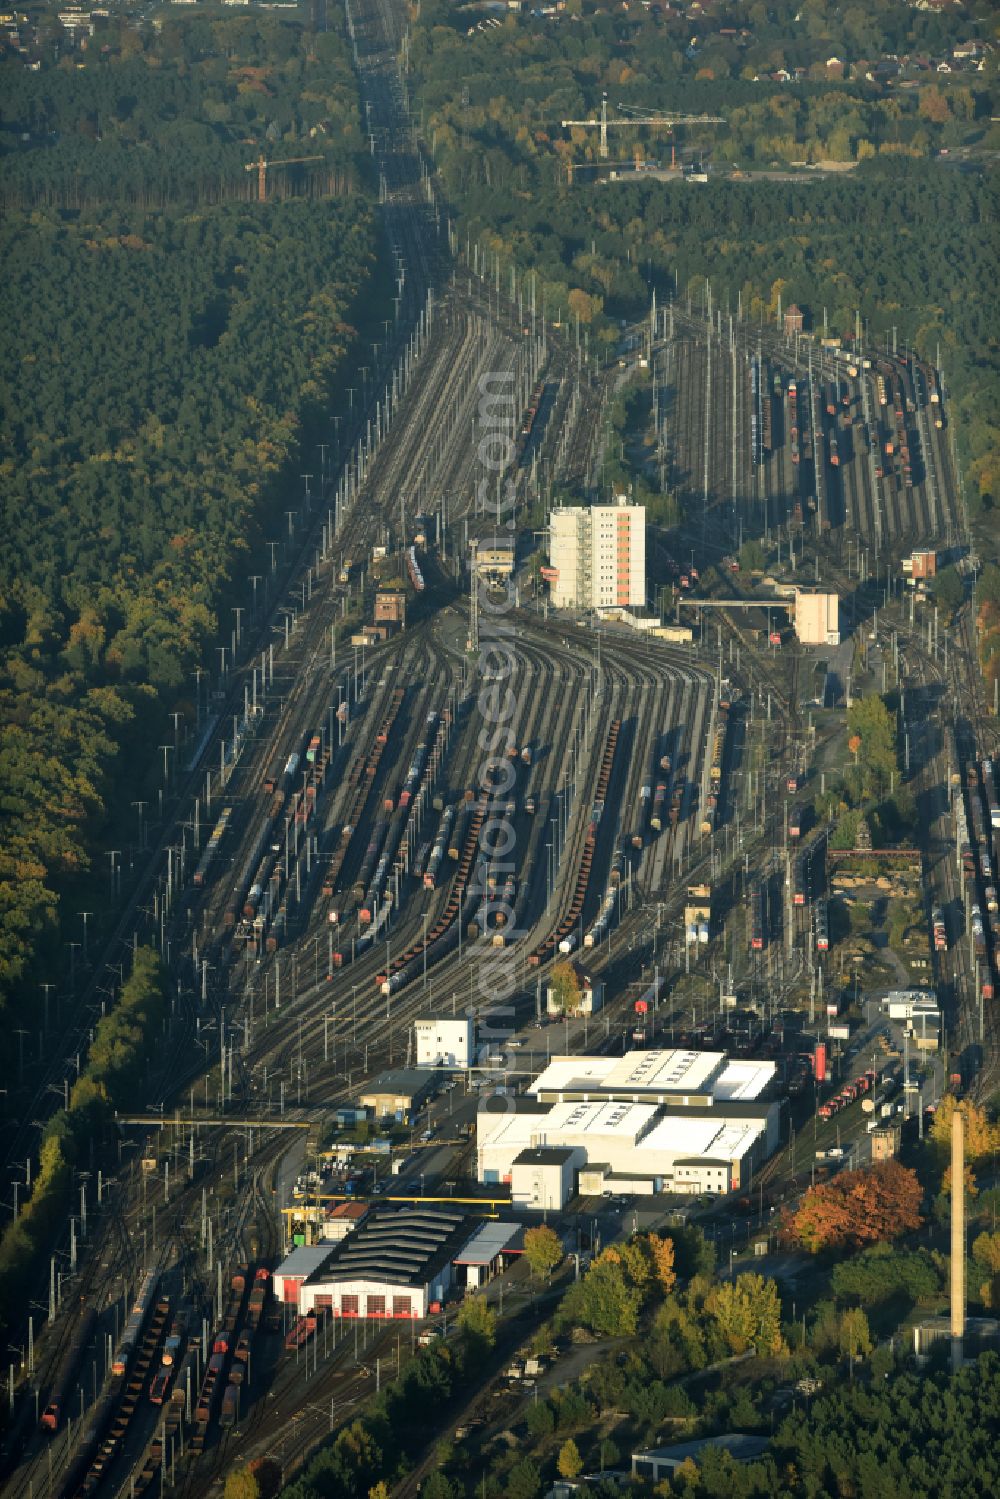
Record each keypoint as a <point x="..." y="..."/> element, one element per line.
<point x="212" y="847"/>
<point x="758" y="917"/>
<point x="413" y="569"/>
<point x="132" y="1334"/>
<point x="977" y="821"/>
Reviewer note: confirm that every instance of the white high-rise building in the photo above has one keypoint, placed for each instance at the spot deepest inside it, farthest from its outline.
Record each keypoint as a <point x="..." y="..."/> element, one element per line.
<point x="598" y="556"/>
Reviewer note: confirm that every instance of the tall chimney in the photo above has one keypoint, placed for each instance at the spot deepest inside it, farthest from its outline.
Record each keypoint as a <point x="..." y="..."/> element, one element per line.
<point x="957" y="1239"/>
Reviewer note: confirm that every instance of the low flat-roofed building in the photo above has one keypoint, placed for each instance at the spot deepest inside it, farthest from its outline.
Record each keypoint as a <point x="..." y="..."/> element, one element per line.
<point x="903" y="1004"/>
<point x="398" y="1092"/>
<point x="495" y="559"/>
<point x="817" y="618"/>
<point x="980" y="1333"/>
<point x="658" y="1463"/>
<point x="396" y="1265"/>
<point x="702" y="1155"/>
<point x="598" y="1180"/>
<point x="343" y="1220"/>
<point x="486" y="1252"/>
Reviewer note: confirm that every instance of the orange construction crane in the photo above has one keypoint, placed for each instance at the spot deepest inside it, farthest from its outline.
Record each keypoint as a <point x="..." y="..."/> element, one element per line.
<point x="260" y="166"/>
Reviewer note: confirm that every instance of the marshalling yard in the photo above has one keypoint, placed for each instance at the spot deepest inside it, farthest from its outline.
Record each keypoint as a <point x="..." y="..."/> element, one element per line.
<point x="364" y="834"/>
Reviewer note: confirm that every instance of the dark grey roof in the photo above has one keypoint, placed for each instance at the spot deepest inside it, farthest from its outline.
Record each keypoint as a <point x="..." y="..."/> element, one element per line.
<point x="401" y="1080"/>
<point x="545" y="1155"/>
<point x="511" y="1103"/>
<point x="406" y="1247"/>
<point x="731" y="1108"/>
<point x="740" y="1445"/>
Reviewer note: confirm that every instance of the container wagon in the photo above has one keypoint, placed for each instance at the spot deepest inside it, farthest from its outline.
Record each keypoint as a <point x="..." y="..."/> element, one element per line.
<point x="212" y="847"/>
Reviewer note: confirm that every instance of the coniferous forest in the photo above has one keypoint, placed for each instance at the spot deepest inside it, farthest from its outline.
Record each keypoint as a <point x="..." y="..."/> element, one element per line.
<point x="170" y="343"/>
<point x="895" y="221"/>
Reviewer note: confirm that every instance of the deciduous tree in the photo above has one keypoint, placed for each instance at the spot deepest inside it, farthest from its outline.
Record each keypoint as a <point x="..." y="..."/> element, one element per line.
<point x="856" y="1208"/>
<point x="661" y="1252"/>
<point x="478" y="1320"/>
<point x="241" y="1484"/>
<point x="855" y="1337"/>
<point x="748" y="1312"/>
<point x="569" y="1462"/>
<point x="564" y="988"/>
<point x="980" y="1136"/>
<point x="542" y="1250"/>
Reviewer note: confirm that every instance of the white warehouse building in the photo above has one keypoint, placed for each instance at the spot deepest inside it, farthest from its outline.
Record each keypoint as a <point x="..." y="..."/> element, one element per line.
<point x="598" y="555"/>
<point x="653" y="1121"/>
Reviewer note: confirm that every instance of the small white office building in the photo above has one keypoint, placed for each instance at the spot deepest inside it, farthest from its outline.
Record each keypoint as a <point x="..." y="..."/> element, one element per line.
<point x="446" y="1041"/>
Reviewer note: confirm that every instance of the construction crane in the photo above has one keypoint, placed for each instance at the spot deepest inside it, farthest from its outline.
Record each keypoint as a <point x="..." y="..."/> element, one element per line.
<point x="261" y="167"/>
<point x="660" y="117"/>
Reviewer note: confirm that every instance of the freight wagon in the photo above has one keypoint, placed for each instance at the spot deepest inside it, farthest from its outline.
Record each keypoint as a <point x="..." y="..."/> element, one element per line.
<point x="211" y="847"/>
<point x="285" y="780"/>
<point x="230" y="1406"/>
<point x="68" y="1368"/>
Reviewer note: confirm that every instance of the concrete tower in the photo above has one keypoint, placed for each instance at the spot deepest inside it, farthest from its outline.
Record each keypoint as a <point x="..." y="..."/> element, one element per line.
<point x="957" y="1239"/>
<point x="473" y="643"/>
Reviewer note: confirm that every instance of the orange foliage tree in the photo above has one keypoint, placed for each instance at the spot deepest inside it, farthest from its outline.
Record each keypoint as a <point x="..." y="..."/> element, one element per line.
<point x="856" y="1208"/>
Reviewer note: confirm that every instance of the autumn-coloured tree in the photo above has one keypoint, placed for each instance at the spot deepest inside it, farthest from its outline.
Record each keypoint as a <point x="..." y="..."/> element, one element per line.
<point x="542" y="1250"/>
<point x="856" y="1208"/>
<point x="569" y="1461"/>
<point x="968" y="1176"/>
<point x="748" y="1312"/>
<point x="934" y="105"/>
<point x="986" y="1258"/>
<point x="661" y="1252"/>
<point x="564" y="988"/>
<point x="634" y="1260"/>
<point x="241" y="1484"/>
<point x="981" y="1137"/>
